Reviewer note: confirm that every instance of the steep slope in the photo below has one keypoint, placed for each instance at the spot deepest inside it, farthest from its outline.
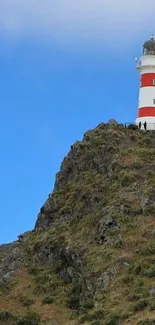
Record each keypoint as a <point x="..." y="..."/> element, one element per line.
<point x="91" y="256"/>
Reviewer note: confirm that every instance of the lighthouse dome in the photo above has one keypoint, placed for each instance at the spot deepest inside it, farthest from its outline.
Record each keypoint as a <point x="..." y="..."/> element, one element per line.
<point x="149" y="47"/>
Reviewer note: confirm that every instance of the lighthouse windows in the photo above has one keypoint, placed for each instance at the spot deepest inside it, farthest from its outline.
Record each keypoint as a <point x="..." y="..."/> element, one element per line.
<point x="154" y="82"/>
<point x="153" y="101"/>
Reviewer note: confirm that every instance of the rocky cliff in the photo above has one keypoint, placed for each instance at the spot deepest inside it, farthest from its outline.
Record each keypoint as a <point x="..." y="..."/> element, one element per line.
<point x="90" y="258"/>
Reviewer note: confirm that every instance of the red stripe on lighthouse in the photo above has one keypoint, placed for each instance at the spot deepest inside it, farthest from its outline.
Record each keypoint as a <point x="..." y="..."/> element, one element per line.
<point x="147" y="80"/>
<point x="146" y="111"/>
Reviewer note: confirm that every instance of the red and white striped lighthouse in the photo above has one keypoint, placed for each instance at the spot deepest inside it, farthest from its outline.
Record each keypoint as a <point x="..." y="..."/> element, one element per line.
<point x="146" y="67"/>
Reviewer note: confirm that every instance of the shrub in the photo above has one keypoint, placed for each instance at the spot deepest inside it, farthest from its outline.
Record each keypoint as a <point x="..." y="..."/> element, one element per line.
<point x="99" y="314"/>
<point x="48" y="300"/>
<point x="112" y="149"/>
<point x="144" y="268"/>
<point x="97" y="317"/>
<point x="127" y="279"/>
<point x="148" y="250"/>
<point x="74" y="296"/>
<point x="149" y="210"/>
<point x="127" y="178"/>
<point x="134" y="297"/>
<point x="114" y="319"/>
<point x="137" y="269"/>
<point x="118" y="243"/>
<point x="73" y="302"/>
<point x="85" y="318"/>
<point x="152" y="305"/>
<point x="140" y="305"/>
<point x="147" y="322"/>
<point x="137" y="165"/>
<point x="132" y="127"/>
<point x="29" y="318"/>
<point x="133" y="137"/>
<point x="150" y="273"/>
<point x="88" y="304"/>
<point x="97" y="322"/>
<point x="33" y="270"/>
<point x="6" y="286"/>
<point x="5" y="316"/>
<point x="25" y="301"/>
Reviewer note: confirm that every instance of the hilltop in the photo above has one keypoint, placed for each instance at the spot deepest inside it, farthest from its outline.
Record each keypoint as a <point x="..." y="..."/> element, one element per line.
<point x="90" y="258"/>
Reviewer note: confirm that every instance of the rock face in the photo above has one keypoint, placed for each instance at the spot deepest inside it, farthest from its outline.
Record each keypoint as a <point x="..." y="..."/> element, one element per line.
<point x="12" y="260"/>
<point x="92" y="248"/>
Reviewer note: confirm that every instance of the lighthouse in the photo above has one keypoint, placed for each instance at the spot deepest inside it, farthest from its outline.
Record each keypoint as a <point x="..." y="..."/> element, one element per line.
<point x="146" y="67"/>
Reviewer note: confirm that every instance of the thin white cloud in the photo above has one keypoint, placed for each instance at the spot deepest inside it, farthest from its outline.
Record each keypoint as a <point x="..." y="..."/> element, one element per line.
<point x="78" y="20"/>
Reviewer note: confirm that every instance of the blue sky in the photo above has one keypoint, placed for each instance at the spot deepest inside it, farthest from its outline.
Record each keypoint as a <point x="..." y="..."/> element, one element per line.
<point x="61" y="73"/>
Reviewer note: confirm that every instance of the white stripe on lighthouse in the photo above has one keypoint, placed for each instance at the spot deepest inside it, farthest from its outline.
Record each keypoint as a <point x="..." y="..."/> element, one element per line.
<point x="147" y="97"/>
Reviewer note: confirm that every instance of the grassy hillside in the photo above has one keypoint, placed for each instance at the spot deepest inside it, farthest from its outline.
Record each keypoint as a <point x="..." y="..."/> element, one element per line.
<point x="91" y="256"/>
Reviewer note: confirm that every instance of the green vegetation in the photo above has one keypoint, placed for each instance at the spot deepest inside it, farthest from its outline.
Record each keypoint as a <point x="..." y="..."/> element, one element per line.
<point x="29" y="318"/>
<point x="147" y="322"/>
<point x="6" y="316"/>
<point x="92" y="254"/>
<point x="48" y="300"/>
<point x="26" y="301"/>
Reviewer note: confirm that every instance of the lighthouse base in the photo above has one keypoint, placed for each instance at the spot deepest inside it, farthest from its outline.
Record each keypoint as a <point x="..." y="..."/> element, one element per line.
<point x="150" y="122"/>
